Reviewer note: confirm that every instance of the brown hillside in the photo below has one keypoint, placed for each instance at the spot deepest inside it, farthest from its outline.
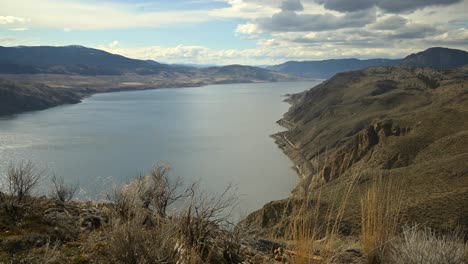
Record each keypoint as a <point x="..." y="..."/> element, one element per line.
<point x="410" y="125"/>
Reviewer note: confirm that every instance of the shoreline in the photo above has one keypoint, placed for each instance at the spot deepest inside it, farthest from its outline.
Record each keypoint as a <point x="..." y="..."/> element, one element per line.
<point x="302" y="166"/>
<point x="81" y="93"/>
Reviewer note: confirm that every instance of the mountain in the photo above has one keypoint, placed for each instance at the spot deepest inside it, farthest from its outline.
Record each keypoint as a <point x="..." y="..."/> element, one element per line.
<point x="71" y="60"/>
<point x="327" y="68"/>
<point x="437" y="58"/>
<point x="29" y="75"/>
<point x="404" y="124"/>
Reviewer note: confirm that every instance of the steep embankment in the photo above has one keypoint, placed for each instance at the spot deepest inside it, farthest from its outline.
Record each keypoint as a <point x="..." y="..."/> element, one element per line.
<point x="28" y="97"/>
<point x="408" y="124"/>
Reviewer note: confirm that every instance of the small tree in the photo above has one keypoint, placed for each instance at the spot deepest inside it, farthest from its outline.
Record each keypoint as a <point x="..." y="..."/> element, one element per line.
<point x="21" y="179"/>
<point x="62" y="192"/>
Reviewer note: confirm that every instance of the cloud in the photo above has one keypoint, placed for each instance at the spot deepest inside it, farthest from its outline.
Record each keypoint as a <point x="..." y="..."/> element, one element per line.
<point x="282" y="29"/>
<point x="292" y="5"/>
<point x="6" y="20"/>
<point x="114" y="44"/>
<point x="290" y="21"/>
<point x="390" y="23"/>
<point x="19" y="29"/>
<point x="393" y="6"/>
<point x="416" y="31"/>
<point x="247" y="9"/>
<point x="84" y="15"/>
<point x="248" y="28"/>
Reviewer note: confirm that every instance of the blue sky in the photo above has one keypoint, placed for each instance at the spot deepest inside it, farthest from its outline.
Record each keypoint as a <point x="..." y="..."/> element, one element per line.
<point x="253" y="32"/>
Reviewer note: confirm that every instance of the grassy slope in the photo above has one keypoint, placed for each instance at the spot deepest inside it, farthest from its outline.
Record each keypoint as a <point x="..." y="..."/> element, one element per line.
<point x="407" y="124"/>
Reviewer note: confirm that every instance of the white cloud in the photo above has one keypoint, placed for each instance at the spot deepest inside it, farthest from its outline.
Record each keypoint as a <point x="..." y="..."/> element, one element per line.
<point x="84" y="15"/>
<point x="6" y="20"/>
<point x="247" y="9"/>
<point x="19" y="29"/>
<point x="248" y="28"/>
<point x="310" y="32"/>
<point x="114" y="44"/>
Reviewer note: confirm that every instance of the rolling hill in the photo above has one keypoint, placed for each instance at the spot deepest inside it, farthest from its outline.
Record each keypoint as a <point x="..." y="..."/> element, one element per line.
<point x="437" y="58"/>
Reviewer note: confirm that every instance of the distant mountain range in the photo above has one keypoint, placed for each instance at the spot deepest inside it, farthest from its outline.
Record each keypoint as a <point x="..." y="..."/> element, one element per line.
<point x="79" y="60"/>
<point x="71" y="60"/>
<point x="34" y="78"/>
<point x="437" y="58"/>
<point x="327" y="68"/>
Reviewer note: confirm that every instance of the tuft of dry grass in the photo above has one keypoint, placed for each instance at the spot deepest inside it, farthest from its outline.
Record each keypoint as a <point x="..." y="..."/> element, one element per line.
<point x="380" y="216"/>
<point x="423" y="245"/>
<point x="315" y="226"/>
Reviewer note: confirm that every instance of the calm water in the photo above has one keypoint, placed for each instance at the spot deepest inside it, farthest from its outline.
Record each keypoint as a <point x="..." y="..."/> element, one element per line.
<point x="217" y="134"/>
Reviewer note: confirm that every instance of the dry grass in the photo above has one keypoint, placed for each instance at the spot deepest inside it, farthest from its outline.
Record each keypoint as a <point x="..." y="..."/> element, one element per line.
<point x="380" y="216"/>
<point x="423" y="245"/>
<point x="315" y="226"/>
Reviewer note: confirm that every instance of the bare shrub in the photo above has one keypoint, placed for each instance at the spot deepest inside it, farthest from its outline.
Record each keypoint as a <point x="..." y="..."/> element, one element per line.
<point x="425" y="246"/>
<point x="201" y="226"/>
<point x="155" y="192"/>
<point x="380" y="217"/>
<point x="122" y="203"/>
<point x="62" y="192"/>
<point x="21" y="180"/>
<point x="141" y="231"/>
<point x="158" y="192"/>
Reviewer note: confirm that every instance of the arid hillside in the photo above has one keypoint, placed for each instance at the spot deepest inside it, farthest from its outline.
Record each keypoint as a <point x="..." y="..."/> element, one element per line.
<point x="407" y="125"/>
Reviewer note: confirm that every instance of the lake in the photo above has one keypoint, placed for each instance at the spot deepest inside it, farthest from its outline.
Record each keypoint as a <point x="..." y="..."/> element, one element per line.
<point x="217" y="134"/>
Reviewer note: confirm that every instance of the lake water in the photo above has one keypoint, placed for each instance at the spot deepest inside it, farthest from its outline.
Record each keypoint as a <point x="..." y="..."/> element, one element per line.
<point x="217" y="134"/>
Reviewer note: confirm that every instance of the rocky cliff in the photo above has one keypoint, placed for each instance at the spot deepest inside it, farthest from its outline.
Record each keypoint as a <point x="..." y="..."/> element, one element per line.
<point x="408" y="124"/>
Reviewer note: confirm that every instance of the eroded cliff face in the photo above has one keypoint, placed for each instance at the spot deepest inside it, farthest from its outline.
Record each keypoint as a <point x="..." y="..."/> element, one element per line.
<point x="401" y="122"/>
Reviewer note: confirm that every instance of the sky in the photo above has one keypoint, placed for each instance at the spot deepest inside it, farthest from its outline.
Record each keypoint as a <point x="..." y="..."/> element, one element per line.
<point x="250" y="32"/>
